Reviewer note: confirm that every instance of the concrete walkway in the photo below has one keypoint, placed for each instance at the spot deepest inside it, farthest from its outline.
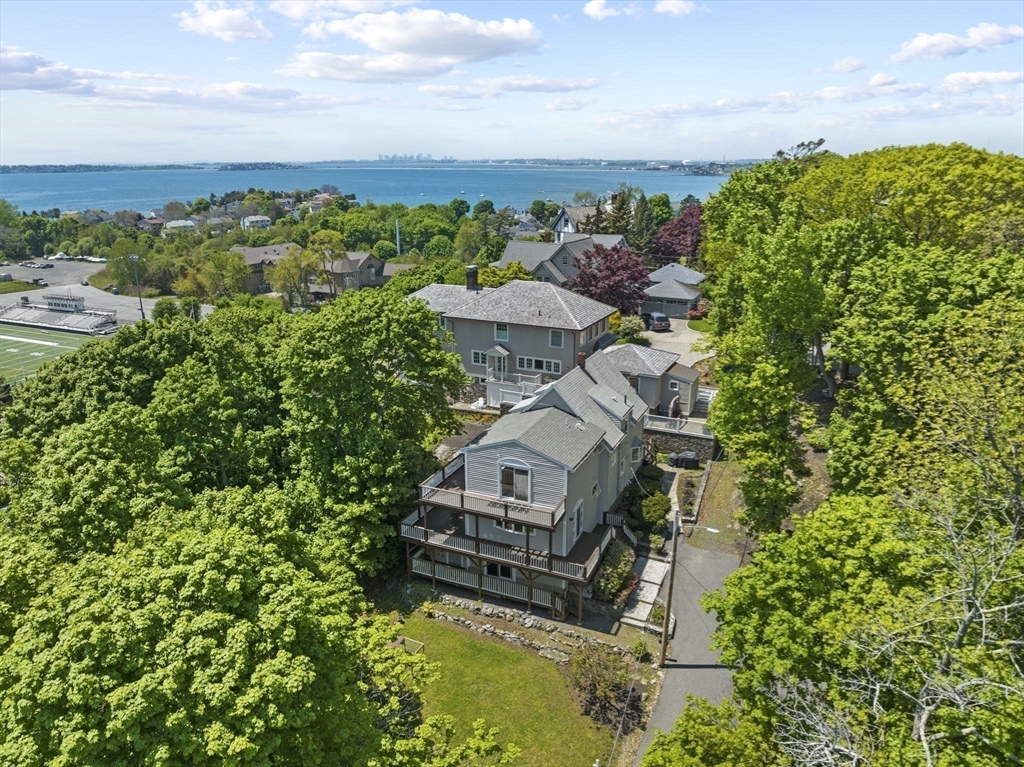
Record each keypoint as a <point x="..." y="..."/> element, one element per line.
<point x="679" y="340"/>
<point x="691" y="667"/>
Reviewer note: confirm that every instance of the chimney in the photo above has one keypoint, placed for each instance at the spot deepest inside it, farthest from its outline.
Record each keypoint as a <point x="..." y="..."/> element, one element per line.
<point x="581" y="359"/>
<point x="634" y="381"/>
<point x="471" y="277"/>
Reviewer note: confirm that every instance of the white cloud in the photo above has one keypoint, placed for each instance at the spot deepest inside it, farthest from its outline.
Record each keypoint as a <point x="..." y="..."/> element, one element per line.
<point x="938" y="46"/>
<point x="1001" y="105"/>
<point x="490" y="87"/>
<point x="961" y="82"/>
<point x="222" y="21"/>
<point x="22" y="70"/>
<point x="881" y="79"/>
<point x="847" y="64"/>
<point x="562" y="104"/>
<point x="395" y="68"/>
<point x="417" y="44"/>
<point x="307" y="10"/>
<point x="675" y="7"/>
<point x="598" y="9"/>
<point x="436" y="34"/>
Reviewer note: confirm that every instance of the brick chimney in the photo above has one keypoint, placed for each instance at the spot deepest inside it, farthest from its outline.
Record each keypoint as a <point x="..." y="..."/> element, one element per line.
<point x="471" y="283"/>
<point x="581" y="359"/>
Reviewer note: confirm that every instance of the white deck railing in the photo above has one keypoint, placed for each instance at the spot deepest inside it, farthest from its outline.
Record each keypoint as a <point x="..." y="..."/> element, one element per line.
<point x="518" y="591"/>
<point x="630" y="535"/>
<point x="497" y="508"/>
<point x="695" y="427"/>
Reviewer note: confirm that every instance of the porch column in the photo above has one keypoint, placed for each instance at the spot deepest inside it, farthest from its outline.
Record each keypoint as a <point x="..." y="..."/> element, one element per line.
<point x="580" y="622"/>
<point x="433" y="568"/>
<point x="529" y="589"/>
<point x="408" y="561"/>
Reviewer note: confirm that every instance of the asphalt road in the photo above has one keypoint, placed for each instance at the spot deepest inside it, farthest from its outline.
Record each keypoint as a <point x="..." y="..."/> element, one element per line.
<point x="691" y="667"/>
<point x="679" y="340"/>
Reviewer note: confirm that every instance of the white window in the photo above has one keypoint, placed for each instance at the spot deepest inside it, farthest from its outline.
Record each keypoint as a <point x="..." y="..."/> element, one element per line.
<point x="440" y="321"/>
<point x="500" y="331"/>
<point x="515" y="483"/>
<point x="509" y="526"/>
<point x="545" y="278"/>
<point x="555" y="339"/>
<point x="542" y="365"/>
<point x="634" y="454"/>
<point x="673" y="385"/>
<point x="596" y="489"/>
<point x="479" y="358"/>
<point x="498" y="571"/>
<point x="565" y="259"/>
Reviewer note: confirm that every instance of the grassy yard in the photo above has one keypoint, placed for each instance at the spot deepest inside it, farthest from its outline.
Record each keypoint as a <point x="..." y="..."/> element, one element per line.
<point x="16" y="287"/>
<point x="698" y="326"/>
<point x="515" y="690"/>
<point x="722" y="499"/>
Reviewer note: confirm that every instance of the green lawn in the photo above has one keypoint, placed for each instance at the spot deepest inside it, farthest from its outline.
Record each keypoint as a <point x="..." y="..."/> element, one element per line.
<point x="515" y="690"/>
<point x="700" y="326"/>
<point x="16" y="287"/>
<point x="23" y="350"/>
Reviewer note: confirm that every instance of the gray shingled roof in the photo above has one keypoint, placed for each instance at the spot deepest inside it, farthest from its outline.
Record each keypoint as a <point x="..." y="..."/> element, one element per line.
<point x="678" y="272"/>
<point x="529" y="254"/>
<point x="447" y="298"/>
<point x="266" y="254"/>
<point x="353" y="262"/>
<point x="683" y="371"/>
<point x="608" y="240"/>
<point x="540" y="304"/>
<point x="548" y="431"/>
<point x="641" y="360"/>
<point x="390" y="269"/>
<point x="673" y="289"/>
<point x="577" y="213"/>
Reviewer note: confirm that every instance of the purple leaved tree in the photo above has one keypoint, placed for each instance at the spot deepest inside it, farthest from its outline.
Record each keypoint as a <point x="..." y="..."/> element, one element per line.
<point x="614" y="276"/>
<point x="679" y="239"/>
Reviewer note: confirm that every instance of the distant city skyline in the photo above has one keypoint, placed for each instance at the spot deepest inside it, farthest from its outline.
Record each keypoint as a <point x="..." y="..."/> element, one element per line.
<point x="294" y="80"/>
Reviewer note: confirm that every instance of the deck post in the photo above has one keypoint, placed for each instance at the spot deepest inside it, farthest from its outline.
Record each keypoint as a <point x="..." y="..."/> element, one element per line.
<point x="529" y="586"/>
<point x="408" y="562"/>
<point x="580" y="623"/>
<point x="433" y="568"/>
<point x="479" y="576"/>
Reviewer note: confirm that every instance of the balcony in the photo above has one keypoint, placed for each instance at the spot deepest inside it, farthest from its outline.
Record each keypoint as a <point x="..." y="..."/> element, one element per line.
<point x="696" y="427"/>
<point x="448" y="488"/>
<point x="446" y="529"/>
<point x="511" y="387"/>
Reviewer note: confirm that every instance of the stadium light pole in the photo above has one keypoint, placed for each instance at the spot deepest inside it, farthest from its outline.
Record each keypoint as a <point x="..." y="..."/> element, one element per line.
<point x="135" y="266"/>
<point x="676" y="532"/>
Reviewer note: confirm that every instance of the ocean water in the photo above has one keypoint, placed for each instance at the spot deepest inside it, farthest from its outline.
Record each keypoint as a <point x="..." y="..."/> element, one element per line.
<point x="515" y="185"/>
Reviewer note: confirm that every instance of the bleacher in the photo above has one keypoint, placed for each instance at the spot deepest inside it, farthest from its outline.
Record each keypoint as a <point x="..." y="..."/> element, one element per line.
<point x="36" y="315"/>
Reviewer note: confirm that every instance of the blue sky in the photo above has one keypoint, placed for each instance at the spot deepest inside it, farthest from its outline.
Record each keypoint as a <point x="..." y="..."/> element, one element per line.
<point x="211" y="81"/>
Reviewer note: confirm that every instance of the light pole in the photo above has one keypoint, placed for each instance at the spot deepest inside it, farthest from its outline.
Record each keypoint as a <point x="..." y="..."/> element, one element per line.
<point x="676" y="532"/>
<point x="135" y="267"/>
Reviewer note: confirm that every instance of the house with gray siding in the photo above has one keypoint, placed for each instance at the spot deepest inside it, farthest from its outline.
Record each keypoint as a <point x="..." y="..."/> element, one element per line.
<point x="524" y="511"/>
<point x="667" y="386"/>
<point x="553" y="261"/>
<point x="515" y="338"/>
<point x="673" y="291"/>
<point x="258" y="259"/>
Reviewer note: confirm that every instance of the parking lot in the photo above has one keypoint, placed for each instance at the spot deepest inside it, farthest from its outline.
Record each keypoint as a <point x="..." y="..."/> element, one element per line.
<point x="679" y="340"/>
<point x="62" y="273"/>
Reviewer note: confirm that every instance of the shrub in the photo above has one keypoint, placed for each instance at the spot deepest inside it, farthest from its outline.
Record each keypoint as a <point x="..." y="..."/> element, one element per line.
<point x="818" y="439"/>
<point x="615" y="574"/>
<point x="614" y="321"/>
<point x="661" y="457"/>
<point x="601" y="685"/>
<point x="656" y="508"/>
<point x="650" y="486"/>
<point x="640" y="651"/>
<point x="657" y="612"/>
<point x="651" y="472"/>
<point x="657" y="542"/>
<point x="698" y="313"/>
<point x="631" y="327"/>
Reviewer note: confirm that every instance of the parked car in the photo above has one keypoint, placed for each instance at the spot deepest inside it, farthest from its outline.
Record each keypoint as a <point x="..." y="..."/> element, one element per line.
<point x="656" y="321"/>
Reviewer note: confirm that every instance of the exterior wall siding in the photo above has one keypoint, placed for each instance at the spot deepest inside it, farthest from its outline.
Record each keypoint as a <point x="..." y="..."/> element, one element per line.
<point x="580" y="484"/>
<point x="547" y="478"/>
<point x="687" y="395"/>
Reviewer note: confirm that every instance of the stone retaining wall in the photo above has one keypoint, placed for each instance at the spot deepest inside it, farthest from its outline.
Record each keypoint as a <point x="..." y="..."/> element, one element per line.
<point x="670" y="442"/>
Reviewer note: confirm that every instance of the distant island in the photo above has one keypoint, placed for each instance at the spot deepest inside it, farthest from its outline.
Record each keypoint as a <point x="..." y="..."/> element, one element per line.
<point x="261" y="166"/>
<point x="9" y="169"/>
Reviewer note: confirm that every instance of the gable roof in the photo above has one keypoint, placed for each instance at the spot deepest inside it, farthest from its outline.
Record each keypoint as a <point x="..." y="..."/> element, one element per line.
<point x="353" y="262"/>
<point x="596" y="393"/>
<point x="538" y="304"/>
<point x="529" y="254"/>
<point x="267" y="254"/>
<point x="641" y="360"/>
<point x="548" y="431"/>
<point x="577" y="213"/>
<point x="446" y="298"/>
<point x="677" y="272"/>
<point x="673" y="289"/>
<point x="390" y="269"/>
<point x="684" y="371"/>
<point x="607" y="240"/>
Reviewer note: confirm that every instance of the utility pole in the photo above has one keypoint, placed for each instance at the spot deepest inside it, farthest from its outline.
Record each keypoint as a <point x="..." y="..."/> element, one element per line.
<point x="398" y="237"/>
<point x="135" y="267"/>
<point x="671" y="583"/>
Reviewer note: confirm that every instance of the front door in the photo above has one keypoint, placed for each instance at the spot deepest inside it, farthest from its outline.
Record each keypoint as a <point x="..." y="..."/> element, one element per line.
<point x="497" y="365"/>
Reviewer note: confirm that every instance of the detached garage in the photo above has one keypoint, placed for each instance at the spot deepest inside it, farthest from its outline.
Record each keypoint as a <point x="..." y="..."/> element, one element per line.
<point x="672" y="298"/>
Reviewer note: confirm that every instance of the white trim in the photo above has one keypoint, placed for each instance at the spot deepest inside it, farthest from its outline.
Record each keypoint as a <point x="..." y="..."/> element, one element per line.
<point x="497" y="335"/>
<point x="635" y="454"/>
<point x="673" y="385"/>
<point x="546" y="365"/>
<point x="516" y="465"/>
<point x="475" y="355"/>
<point x="510" y="526"/>
<point x="551" y="339"/>
<point x="577" y="516"/>
<point x="596" y="489"/>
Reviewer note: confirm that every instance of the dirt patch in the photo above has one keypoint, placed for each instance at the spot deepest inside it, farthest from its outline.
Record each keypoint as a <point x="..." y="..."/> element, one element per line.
<point x="471" y="429"/>
<point x="815" y="486"/>
<point x="721" y="503"/>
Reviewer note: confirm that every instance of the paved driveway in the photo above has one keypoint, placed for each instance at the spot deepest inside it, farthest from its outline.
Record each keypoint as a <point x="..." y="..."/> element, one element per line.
<point x="679" y="340"/>
<point x="691" y="667"/>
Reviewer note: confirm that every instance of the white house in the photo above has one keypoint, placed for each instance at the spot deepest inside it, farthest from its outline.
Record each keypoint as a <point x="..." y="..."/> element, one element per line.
<point x="256" y="222"/>
<point x="172" y="228"/>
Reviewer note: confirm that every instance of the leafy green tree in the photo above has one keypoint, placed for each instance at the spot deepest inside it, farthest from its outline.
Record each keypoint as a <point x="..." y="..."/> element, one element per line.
<point x="492" y="277"/>
<point x="459" y="208"/>
<point x="643" y="226"/>
<point x="483" y="209"/>
<point x="292" y="274"/>
<point x="661" y="208"/>
<point x="385" y="249"/>
<point x="224" y="274"/>
<point x="8" y="213"/>
<point x="357" y="412"/>
<point x="711" y="736"/>
<point x="165" y="308"/>
<point x="175" y="211"/>
<point x="439" y="247"/>
<point x="620" y="217"/>
<point x="200" y="205"/>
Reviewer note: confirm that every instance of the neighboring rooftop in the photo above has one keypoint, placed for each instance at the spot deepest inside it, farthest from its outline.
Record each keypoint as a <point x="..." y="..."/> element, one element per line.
<point x="673" y="289"/>
<point x="529" y="254"/>
<point x="548" y="431"/>
<point x="684" y="371"/>
<point x="677" y="272"/>
<point x="539" y="304"/>
<point x="390" y="269"/>
<point x="448" y="298"/>
<point x="268" y="254"/>
<point x="632" y="359"/>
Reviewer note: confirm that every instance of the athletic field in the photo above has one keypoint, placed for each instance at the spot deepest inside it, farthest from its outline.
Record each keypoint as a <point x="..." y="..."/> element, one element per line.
<point x="22" y="349"/>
